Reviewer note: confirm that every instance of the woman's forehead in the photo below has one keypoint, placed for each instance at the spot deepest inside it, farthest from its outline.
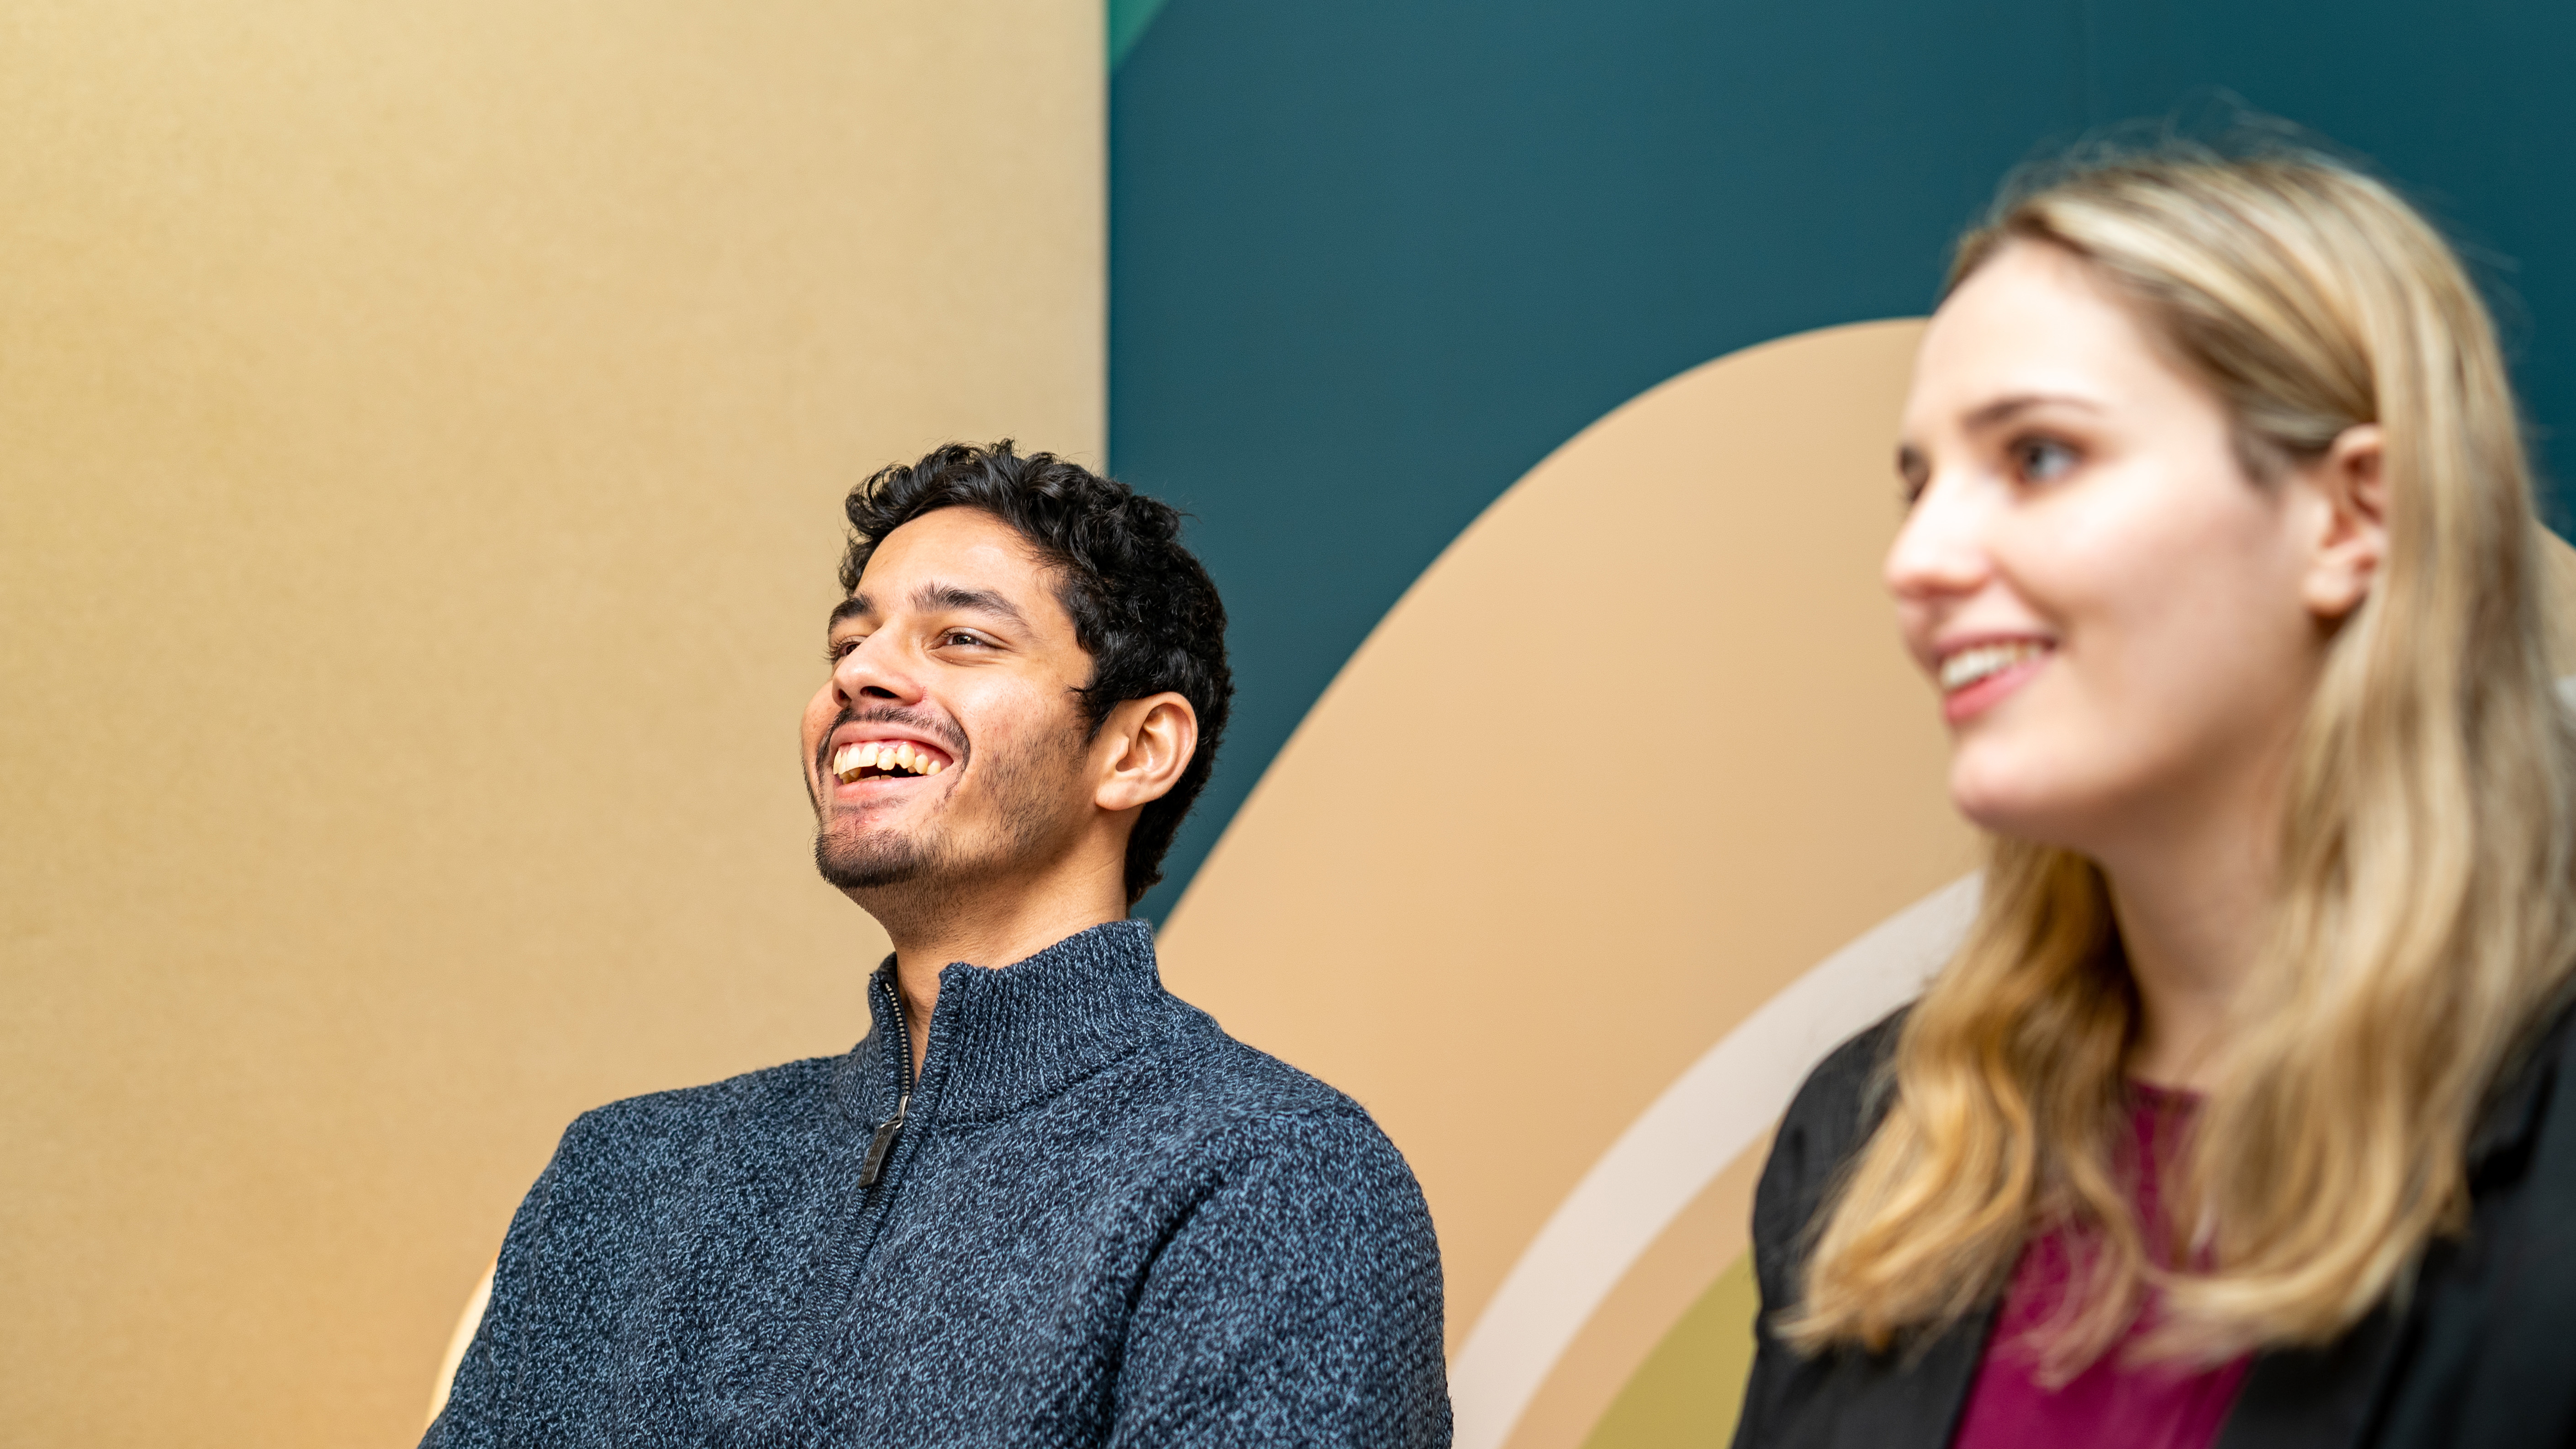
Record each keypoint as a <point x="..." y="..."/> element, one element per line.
<point x="2034" y="322"/>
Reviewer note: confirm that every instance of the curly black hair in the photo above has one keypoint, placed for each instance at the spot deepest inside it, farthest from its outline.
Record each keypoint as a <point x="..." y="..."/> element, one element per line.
<point x="1142" y="606"/>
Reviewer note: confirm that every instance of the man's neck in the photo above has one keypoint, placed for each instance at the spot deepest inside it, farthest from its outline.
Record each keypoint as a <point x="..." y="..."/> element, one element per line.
<point x="989" y="928"/>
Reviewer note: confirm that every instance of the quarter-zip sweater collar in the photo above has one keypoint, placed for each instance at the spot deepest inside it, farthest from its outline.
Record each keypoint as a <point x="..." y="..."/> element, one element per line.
<point x="1002" y="1040"/>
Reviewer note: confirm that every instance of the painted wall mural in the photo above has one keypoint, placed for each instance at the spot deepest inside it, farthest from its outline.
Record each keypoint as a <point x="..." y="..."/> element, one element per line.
<point x="1531" y="372"/>
<point x="1626" y="763"/>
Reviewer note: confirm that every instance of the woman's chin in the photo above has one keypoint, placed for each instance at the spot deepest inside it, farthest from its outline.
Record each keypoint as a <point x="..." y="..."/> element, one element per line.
<point x="2015" y="808"/>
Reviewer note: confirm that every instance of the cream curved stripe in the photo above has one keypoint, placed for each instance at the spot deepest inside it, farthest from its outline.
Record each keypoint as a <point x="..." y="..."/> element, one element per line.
<point x="468" y="1324"/>
<point x="1702" y="1122"/>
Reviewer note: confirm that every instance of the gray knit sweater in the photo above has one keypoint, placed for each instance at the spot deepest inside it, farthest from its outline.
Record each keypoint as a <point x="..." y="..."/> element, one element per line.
<point x="1101" y="1221"/>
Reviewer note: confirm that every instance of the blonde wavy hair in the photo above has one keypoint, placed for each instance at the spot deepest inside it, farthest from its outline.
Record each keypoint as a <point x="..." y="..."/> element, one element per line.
<point x="2422" y="923"/>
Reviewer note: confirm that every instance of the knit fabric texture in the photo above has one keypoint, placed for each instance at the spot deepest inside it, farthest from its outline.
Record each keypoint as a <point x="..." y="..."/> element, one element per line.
<point x="1103" y="1221"/>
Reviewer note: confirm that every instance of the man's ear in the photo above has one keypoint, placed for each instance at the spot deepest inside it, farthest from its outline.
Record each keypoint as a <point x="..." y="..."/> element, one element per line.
<point x="2350" y="543"/>
<point x="1142" y="748"/>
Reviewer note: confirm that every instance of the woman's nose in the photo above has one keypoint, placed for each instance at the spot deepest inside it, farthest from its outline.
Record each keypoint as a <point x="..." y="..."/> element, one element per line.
<point x="1941" y="548"/>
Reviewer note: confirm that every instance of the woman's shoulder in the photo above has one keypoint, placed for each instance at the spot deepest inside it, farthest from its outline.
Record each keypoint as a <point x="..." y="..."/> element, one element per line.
<point x="2516" y="1133"/>
<point x="2477" y="1354"/>
<point x="1834" y="1112"/>
<point x="1842" y="1099"/>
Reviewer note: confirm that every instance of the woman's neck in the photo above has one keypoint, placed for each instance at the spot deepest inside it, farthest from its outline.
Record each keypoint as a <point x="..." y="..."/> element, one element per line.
<point x="2191" y="903"/>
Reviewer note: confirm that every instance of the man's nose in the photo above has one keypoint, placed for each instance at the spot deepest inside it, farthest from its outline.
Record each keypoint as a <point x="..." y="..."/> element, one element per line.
<point x="1941" y="550"/>
<point x="874" y="672"/>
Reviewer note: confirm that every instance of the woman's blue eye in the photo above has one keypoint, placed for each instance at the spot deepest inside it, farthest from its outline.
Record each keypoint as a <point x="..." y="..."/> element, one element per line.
<point x="2043" y="461"/>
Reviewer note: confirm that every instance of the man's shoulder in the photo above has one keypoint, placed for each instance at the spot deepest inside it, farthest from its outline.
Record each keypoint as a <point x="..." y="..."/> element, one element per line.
<point x="661" y="1120"/>
<point x="1240" y="1142"/>
<point x="1209" y="1085"/>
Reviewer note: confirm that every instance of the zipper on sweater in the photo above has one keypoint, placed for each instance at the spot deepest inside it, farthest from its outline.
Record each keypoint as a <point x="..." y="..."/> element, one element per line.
<point x="882" y="1142"/>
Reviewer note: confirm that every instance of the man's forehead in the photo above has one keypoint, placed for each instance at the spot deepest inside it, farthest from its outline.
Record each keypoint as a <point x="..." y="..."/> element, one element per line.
<point x="957" y="560"/>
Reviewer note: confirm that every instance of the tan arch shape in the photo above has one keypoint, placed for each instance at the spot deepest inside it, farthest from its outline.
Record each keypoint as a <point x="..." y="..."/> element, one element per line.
<point x="1637" y="751"/>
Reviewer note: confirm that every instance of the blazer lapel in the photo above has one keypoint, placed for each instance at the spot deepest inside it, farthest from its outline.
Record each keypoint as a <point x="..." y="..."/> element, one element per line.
<point x="2315" y="1398"/>
<point x="1904" y="1400"/>
<point x="2328" y="1398"/>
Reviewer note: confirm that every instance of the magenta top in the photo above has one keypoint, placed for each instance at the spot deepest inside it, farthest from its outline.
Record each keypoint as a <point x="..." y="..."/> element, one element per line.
<point x="2112" y="1404"/>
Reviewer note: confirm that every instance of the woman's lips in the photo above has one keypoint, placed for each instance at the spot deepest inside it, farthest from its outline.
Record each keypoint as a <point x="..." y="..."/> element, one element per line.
<point x="1987" y="682"/>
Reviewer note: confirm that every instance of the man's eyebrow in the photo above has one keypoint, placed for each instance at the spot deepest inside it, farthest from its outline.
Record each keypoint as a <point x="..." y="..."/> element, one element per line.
<point x="947" y="598"/>
<point x="933" y="599"/>
<point x="2003" y="410"/>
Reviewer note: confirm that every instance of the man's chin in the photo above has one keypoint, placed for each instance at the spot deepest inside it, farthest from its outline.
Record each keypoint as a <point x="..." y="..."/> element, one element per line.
<point x="862" y="865"/>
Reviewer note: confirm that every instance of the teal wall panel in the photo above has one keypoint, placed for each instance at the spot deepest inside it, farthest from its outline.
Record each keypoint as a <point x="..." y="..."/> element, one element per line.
<point x="1371" y="261"/>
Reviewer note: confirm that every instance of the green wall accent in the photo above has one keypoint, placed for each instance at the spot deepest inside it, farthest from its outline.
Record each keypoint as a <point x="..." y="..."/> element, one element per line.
<point x="1371" y="260"/>
<point x="1689" y="1389"/>
<point x="1127" y="22"/>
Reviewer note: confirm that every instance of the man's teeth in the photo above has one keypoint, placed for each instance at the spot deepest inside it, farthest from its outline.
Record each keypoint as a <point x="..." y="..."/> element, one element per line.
<point x="1970" y="665"/>
<point x="887" y="757"/>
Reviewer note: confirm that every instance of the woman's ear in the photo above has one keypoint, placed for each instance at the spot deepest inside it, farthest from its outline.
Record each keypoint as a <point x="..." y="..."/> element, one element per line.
<point x="2350" y="484"/>
<point x="1142" y="748"/>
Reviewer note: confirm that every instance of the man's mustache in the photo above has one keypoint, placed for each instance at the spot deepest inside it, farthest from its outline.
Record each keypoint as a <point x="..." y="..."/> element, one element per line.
<point x="942" y="730"/>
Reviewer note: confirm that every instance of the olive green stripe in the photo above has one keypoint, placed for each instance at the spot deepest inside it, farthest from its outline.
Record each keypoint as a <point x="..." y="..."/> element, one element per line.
<point x="1688" y="1390"/>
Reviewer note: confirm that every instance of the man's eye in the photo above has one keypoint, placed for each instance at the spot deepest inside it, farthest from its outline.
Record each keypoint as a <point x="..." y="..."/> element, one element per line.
<point x="956" y="637"/>
<point x="2042" y="460"/>
<point x="838" y="649"/>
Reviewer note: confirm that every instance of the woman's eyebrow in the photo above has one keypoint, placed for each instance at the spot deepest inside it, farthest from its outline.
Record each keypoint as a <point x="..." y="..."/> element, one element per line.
<point x="2003" y="410"/>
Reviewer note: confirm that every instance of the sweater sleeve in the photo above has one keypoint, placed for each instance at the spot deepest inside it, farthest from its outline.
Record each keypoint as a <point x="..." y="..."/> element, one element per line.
<point x="1298" y="1302"/>
<point x="551" y="1289"/>
<point x="472" y="1417"/>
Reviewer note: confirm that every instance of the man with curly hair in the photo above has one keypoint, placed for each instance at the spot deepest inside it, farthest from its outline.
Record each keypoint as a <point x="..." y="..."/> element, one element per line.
<point x="1044" y="1201"/>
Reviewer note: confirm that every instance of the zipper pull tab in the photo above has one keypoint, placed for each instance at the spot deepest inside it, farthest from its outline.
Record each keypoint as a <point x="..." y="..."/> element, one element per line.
<point x="878" y="1146"/>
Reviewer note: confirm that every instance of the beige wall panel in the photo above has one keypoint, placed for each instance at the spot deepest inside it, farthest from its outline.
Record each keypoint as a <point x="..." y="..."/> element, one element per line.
<point x="421" y="437"/>
<point x="1638" y="750"/>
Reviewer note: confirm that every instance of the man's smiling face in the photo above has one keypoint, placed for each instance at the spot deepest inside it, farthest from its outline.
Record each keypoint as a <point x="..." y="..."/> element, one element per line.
<point x="948" y="745"/>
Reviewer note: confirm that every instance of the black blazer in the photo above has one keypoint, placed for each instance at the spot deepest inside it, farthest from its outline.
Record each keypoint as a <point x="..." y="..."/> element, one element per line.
<point x="2481" y="1354"/>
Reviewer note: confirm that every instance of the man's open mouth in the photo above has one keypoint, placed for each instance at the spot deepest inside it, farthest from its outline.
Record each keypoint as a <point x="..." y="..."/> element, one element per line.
<point x="885" y="760"/>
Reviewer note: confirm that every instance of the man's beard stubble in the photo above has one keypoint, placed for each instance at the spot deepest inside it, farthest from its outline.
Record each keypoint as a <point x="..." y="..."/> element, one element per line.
<point x="932" y="859"/>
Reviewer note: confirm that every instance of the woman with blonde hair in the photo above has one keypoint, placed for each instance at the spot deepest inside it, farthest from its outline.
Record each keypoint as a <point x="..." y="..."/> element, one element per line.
<point x="2244" y="1115"/>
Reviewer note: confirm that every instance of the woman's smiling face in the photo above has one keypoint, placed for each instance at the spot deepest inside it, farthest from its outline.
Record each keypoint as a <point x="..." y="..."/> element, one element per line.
<point x="2110" y="607"/>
